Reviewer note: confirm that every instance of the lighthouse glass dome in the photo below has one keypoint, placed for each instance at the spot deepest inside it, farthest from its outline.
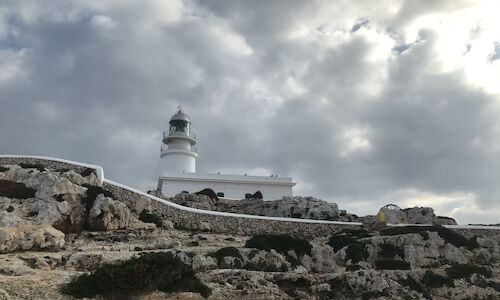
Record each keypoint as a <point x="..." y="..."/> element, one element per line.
<point x="179" y="123"/>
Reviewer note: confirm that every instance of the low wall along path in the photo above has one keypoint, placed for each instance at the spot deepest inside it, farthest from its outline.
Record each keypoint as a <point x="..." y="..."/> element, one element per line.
<point x="196" y="219"/>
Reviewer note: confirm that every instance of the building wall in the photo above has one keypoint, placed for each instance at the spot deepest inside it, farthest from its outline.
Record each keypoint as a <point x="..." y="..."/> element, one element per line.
<point x="236" y="190"/>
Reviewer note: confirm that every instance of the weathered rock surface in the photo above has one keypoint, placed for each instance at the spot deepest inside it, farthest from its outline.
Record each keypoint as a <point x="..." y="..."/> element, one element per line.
<point x="293" y="207"/>
<point x="196" y="201"/>
<point x="108" y="214"/>
<point x="414" y="215"/>
<point x="30" y="237"/>
<point x="49" y="259"/>
<point x="59" y="202"/>
<point x="288" y="207"/>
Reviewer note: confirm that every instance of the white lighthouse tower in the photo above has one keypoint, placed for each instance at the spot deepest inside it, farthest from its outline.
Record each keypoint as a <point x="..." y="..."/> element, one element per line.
<point x="177" y="169"/>
<point x="177" y="152"/>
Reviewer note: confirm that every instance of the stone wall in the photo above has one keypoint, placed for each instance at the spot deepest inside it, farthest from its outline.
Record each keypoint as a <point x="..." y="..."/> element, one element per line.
<point x="222" y="224"/>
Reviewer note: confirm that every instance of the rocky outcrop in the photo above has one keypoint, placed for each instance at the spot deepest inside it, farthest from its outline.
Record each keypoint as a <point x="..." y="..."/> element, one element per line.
<point x="292" y="207"/>
<point x="394" y="264"/>
<point x="199" y="201"/>
<point x="30" y="238"/>
<point x="414" y="215"/>
<point x="62" y="199"/>
<point x="108" y="214"/>
<point x="287" y="207"/>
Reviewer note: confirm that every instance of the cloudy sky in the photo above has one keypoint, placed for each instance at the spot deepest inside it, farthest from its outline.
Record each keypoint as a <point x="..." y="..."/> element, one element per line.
<point x="362" y="105"/>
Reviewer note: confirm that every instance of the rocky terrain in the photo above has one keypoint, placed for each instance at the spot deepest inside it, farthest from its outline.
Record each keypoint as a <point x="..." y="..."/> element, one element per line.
<point x="287" y="207"/>
<point x="64" y="235"/>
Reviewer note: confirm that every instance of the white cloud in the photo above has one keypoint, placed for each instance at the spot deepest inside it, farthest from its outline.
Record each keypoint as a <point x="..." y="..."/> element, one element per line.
<point x="407" y="91"/>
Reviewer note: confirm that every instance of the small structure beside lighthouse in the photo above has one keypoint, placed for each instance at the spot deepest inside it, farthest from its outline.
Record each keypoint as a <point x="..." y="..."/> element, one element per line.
<point x="177" y="169"/>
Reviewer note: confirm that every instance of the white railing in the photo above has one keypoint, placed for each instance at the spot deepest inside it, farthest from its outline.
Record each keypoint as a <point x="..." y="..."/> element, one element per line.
<point x="179" y="134"/>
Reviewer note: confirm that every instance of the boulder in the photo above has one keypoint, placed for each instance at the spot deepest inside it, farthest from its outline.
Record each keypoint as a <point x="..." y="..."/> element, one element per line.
<point x="420" y="215"/>
<point x="270" y="260"/>
<point x="208" y="192"/>
<point x="414" y="215"/>
<point x="199" y="201"/>
<point x="82" y="261"/>
<point x="440" y="220"/>
<point x="108" y="214"/>
<point x="323" y="259"/>
<point x="394" y="215"/>
<point x="30" y="238"/>
<point x="202" y="263"/>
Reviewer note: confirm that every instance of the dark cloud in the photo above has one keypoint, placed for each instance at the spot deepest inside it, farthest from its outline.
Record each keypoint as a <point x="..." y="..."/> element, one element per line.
<point x="335" y="96"/>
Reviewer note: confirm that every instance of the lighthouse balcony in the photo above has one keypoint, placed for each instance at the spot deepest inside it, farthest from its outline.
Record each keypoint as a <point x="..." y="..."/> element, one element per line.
<point x="193" y="151"/>
<point x="169" y="136"/>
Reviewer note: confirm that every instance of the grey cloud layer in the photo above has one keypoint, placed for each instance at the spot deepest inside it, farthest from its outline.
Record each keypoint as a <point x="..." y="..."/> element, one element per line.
<point x="96" y="83"/>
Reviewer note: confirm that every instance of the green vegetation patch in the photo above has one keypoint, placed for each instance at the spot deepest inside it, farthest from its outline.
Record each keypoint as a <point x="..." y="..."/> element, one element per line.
<point x="390" y="251"/>
<point x="225" y="252"/>
<point x="352" y="268"/>
<point x="346" y="237"/>
<point x="16" y="190"/>
<point x="356" y="252"/>
<point x="86" y="172"/>
<point x="281" y="243"/>
<point x="446" y="234"/>
<point x="412" y="284"/>
<point x="91" y="194"/>
<point x="391" y="264"/>
<point x="292" y="288"/>
<point x="466" y="270"/>
<point x="39" y="167"/>
<point x="208" y="192"/>
<point x="146" y="273"/>
<point x="148" y="217"/>
<point x="434" y="280"/>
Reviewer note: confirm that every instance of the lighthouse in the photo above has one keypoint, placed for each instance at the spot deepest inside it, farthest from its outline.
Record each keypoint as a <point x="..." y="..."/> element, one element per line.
<point x="177" y="152"/>
<point x="177" y="169"/>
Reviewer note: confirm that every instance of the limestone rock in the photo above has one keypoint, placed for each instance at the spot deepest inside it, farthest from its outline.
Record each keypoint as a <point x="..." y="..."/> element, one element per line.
<point x="414" y="215"/>
<point x="420" y="215"/>
<point x="440" y="220"/>
<point x="292" y="207"/>
<point x="197" y="225"/>
<point x="195" y="201"/>
<point x="81" y="261"/>
<point x="307" y="262"/>
<point x="323" y="259"/>
<point x="4" y="295"/>
<point x="202" y="263"/>
<point x="8" y="219"/>
<point x="108" y="214"/>
<point x="270" y="260"/>
<point x="453" y="254"/>
<point x="30" y="237"/>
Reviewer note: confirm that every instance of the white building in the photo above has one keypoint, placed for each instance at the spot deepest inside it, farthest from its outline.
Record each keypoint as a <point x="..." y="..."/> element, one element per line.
<point x="177" y="170"/>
